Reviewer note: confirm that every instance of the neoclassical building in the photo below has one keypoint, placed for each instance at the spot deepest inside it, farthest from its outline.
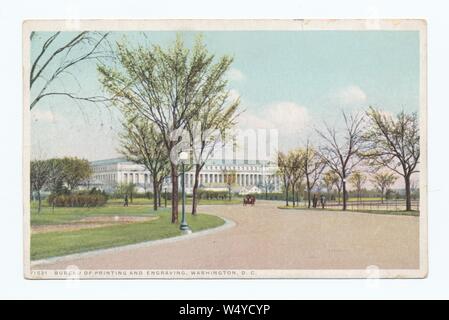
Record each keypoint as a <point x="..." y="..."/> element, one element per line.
<point x="250" y="176"/>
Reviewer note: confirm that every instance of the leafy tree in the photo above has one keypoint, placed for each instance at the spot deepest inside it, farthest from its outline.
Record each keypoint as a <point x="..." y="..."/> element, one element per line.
<point x="126" y="188"/>
<point x="342" y="153"/>
<point x="358" y="180"/>
<point x="141" y="143"/>
<point x="291" y="168"/>
<point x="207" y="128"/>
<point x="383" y="181"/>
<point x="168" y="87"/>
<point x="393" y="142"/>
<point x="39" y="176"/>
<point x="75" y="171"/>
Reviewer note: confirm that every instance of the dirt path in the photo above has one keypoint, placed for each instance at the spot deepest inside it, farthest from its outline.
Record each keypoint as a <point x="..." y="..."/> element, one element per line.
<point x="269" y="238"/>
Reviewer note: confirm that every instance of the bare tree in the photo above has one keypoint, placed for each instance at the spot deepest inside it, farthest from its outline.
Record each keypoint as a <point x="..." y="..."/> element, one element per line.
<point x="393" y="142"/>
<point x="55" y="60"/>
<point x="314" y="165"/>
<point x="382" y="181"/>
<point x="229" y="179"/>
<point x="296" y="162"/>
<point x="284" y="170"/>
<point x="299" y="187"/>
<point x="358" y="180"/>
<point x="331" y="180"/>
<point x="39" y="176"/>
<point x="268" y="183"/>
<point x="168" y="87"/>
<point x="342" y="154"/>
<point x="141" y="143"/>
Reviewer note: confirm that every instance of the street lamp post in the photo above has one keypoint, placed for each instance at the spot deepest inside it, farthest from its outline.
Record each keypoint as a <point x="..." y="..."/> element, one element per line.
<point x="183" y="156"/>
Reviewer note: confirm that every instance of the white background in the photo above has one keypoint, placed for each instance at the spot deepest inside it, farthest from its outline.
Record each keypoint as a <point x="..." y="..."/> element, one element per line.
<point x="12" y="284"/>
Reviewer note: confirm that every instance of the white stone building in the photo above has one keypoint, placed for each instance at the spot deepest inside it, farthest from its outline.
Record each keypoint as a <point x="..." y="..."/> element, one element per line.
<point x="107" y="174"/>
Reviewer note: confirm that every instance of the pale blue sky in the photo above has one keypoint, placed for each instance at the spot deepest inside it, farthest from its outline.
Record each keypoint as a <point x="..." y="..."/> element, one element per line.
<point x="310" y="75"/>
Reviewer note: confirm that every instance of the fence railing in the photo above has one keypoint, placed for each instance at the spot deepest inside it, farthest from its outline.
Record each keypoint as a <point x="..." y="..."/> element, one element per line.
<point x="387" y="205"/>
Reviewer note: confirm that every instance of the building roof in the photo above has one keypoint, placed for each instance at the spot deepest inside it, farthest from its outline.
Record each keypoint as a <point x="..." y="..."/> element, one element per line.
<point x="110" y="161"/>
<point x="208" y="162"/>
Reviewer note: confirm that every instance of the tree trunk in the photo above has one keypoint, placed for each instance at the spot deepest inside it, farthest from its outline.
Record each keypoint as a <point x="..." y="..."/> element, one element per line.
<point x="309" y="201"/>
<point x="408" y="199"/>
<point x="293" y="193"/>
<point x="286" y="195"/>
<point x="308" y="191"/>
<point x="174" y="195"/>
<point x="344" y="194"/>
<point x="159" y="192"/>
<point x="39" y="201"/>
<point x="155" y="193"/>
<point x="195" y="190"/>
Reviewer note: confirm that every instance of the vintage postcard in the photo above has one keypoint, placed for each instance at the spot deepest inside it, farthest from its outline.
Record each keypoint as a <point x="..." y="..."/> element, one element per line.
<point x="225" y="149"/>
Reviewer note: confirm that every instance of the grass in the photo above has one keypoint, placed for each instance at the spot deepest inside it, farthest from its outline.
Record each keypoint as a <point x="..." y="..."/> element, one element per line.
<point x="68" y="215"/>
<point x="388" y="212"/>
<point x="139" y="207"/>
<point x="51" y="244"/>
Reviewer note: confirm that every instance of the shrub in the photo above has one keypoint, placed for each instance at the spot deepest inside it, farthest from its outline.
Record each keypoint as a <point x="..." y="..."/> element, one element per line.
<point x="273" y="196"/>
<point x="210" y="194"/>
<point x="92" y="198"/>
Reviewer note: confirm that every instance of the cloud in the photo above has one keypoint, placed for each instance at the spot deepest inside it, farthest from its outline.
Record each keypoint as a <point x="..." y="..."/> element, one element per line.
<point x="235" y="75"/>
<point x="351" y="95"/>
<point x="288" y="118"/>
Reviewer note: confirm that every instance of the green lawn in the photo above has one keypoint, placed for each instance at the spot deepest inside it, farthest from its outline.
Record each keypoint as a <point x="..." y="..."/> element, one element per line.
<point x="390" y="212"/>
<point x="48" y="216"/>
<point x="51" y="244"/>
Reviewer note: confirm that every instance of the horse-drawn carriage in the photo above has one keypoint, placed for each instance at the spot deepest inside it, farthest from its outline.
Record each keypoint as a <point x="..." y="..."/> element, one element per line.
<point x="249" y="199"/>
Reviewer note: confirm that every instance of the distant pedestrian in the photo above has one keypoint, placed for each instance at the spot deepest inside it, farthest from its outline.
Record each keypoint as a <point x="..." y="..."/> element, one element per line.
<point x="315" y="200"/>
<point x="125" y="204"/>
<point x="322" y="200"/>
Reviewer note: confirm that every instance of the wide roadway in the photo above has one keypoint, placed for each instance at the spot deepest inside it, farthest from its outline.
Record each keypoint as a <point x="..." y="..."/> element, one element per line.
<point x="265" y="237"/>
